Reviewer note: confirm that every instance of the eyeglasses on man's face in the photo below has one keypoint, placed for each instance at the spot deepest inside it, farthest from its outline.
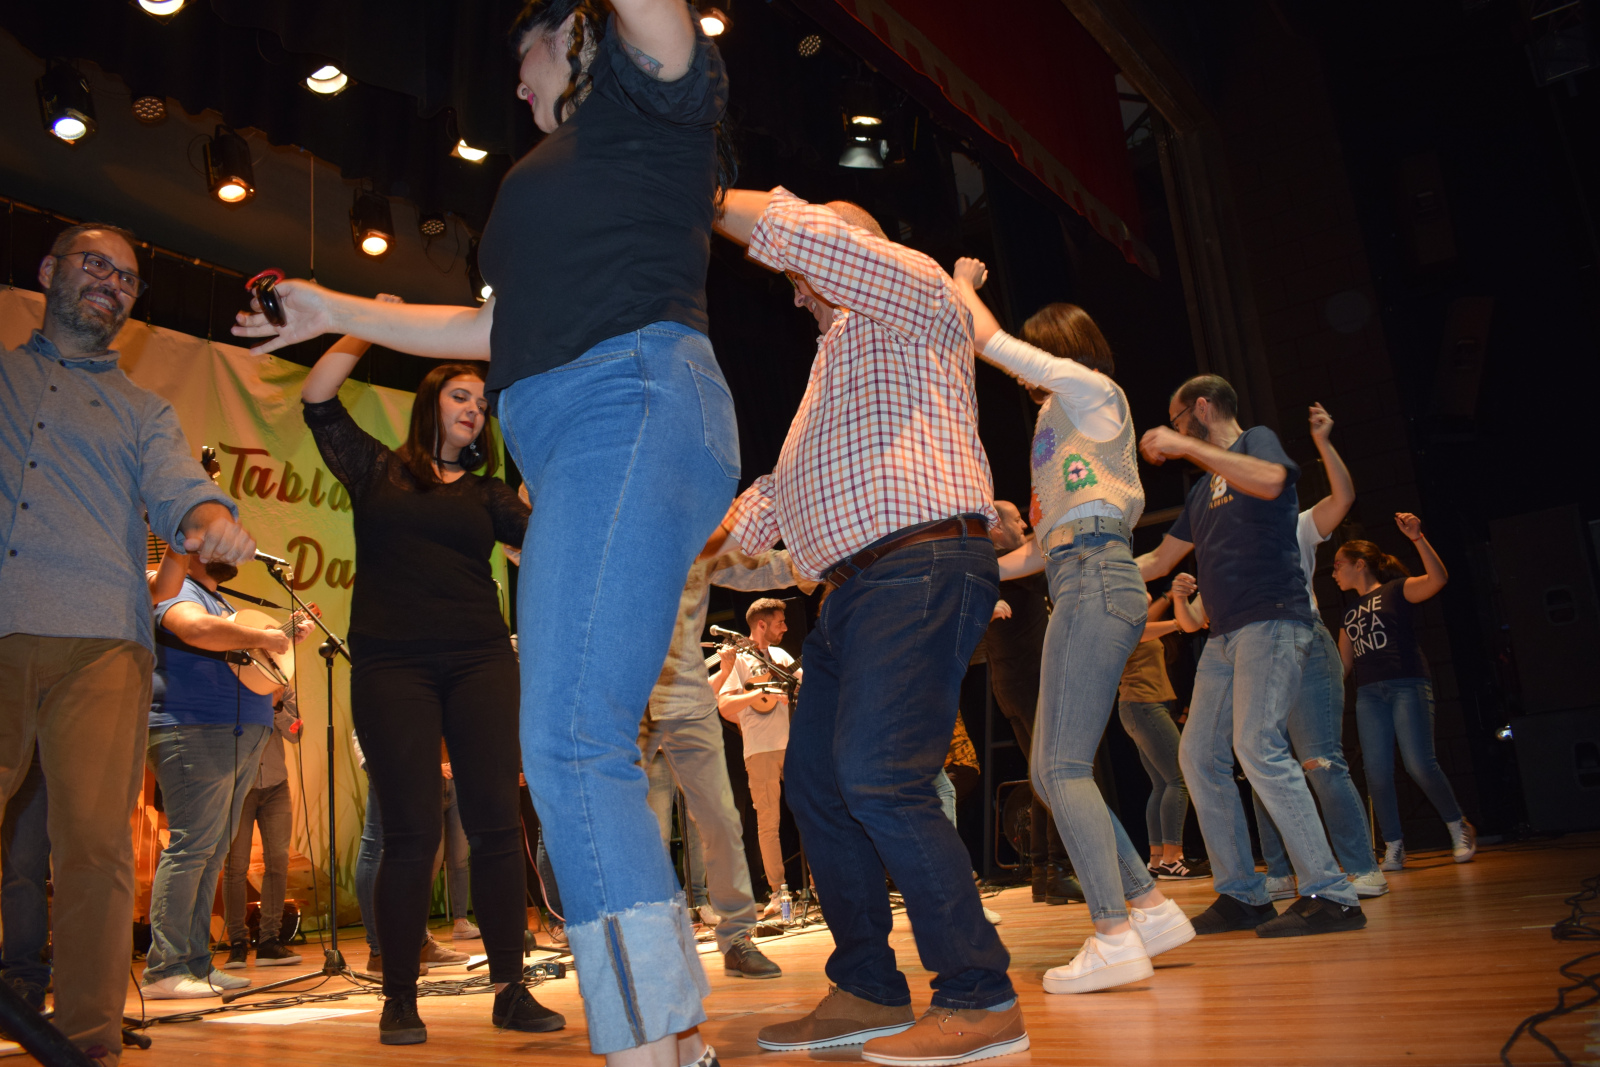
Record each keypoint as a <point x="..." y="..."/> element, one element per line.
<point x="1176" y="420"/>
<point x="97" y="266"/>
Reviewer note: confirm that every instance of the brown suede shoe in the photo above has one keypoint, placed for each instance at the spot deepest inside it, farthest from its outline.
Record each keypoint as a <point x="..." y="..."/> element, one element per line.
<point x="840" y="1019"/>
<point x="945" y="1036"/>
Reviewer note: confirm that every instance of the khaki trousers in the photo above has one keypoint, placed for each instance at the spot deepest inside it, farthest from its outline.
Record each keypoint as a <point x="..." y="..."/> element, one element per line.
<point x="86" y="702"/>
<point x="765" y="770"/>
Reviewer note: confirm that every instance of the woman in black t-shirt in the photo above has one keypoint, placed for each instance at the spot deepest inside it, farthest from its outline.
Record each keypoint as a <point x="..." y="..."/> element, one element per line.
<point x="432" y="658"/>
<point x="1394" y="696"/>
<point x="617" y="415"/>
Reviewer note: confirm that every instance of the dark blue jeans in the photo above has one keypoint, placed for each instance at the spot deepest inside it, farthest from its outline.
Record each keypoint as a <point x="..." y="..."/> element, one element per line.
<point x="870" y="731"/>
<point x="25" y="863"/>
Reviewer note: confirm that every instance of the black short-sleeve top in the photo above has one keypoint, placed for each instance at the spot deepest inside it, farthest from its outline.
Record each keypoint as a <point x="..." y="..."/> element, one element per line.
<point x="605" y="226"/>
<point x="422" y="556"/>
<point x="1383" y="636"/>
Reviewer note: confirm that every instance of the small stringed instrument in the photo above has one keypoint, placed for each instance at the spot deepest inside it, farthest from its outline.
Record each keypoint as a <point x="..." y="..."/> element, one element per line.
<point x="270" y="671"/>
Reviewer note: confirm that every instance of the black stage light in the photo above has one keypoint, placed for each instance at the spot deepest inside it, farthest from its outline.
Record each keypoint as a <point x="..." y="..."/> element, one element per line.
<point x="714" y="21"/>
<point x="371" y="223"/>
<point x="65" y="103"/>
<point x="809" y="45"/>
<point x="431" y="224"/>
<point x="162" y="9"/>
<point x="328" y="80"/>
<point x="463" y="150"/>
<point x="229" y="172"/>
<point x="150" y="110"/>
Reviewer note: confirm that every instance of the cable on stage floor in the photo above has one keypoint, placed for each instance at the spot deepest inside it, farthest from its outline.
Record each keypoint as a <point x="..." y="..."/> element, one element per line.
<point x="1583" y="973"/>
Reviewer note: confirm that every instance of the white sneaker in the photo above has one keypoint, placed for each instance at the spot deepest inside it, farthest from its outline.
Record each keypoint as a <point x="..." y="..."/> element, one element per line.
<point x="994" y="917"/>
<point x="222" y="980"/>
<point x="465" y="931"/>
<point x="1371" y="884"/>
<point x="1394" y="856"/>
<point x="1281" y="888"/>
<point x="1161" y="928"/>
<point x="1100" y="965"/>
<point x="178" y="987"/>
<point x="1464" y="839"/>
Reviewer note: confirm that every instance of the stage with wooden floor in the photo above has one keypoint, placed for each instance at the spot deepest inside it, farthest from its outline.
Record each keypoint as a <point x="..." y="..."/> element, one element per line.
<point x="1451" y="960"/>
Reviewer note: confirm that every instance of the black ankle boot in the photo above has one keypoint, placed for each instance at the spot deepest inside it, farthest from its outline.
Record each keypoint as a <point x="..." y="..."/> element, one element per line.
<point x="1041" y="881"/>
<point x="401" y="1025"/>
<point x="515" y="1009"/>
<point x="1062" y="887"/>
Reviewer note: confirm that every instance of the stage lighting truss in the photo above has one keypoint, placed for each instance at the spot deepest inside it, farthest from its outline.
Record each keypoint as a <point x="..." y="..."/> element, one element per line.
<point x="230" y="174"/>
<point x="328" y="80"/>
<point x="463" y="150"/>
<point x="714" y="21"/>
<point x="371" y="223"/>
<point x="161" y="9"/>
<point x="65" y="103"/>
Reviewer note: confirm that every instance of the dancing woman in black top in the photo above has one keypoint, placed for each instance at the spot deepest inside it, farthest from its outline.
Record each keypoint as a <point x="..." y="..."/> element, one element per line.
<point x="432" y="657"/>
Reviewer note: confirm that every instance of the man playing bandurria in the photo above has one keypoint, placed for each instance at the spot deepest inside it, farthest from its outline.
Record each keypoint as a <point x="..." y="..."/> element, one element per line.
<point x="883" y="491"/>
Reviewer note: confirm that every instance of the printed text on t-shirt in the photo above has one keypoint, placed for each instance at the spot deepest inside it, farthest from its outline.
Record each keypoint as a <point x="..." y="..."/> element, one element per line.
<point x="1219" y="491"/>
<point x="1364" y="628"/>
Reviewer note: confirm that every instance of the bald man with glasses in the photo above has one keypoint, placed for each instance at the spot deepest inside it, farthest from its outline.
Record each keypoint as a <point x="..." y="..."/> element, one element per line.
<point x="85" y="456"/>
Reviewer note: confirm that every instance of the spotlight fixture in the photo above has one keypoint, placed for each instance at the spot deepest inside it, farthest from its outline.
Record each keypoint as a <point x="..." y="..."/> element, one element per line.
<point x="65" y="103"/>
<point x="431" y="224"/>
<point x="328" y="80"/>
<point x="863" y="154"/>
<point x="371" y="223"/>
<point x="481" y="290"/>
<point x="463" y="150"/>
<point x="161" y="8"/>
<point x="714" y="21"/>
<point x="809" y="45"/>
<point x="229" y="172"/>
<point x="861" y="107"/>
<point x="150" y="110"/>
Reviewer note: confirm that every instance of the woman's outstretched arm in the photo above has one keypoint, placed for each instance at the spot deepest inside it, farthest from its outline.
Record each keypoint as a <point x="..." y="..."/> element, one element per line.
<point x="437" y="331"/>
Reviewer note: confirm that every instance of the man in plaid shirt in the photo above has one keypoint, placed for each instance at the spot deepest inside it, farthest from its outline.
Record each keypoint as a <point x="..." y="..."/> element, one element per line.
<point x="883" y="492"/>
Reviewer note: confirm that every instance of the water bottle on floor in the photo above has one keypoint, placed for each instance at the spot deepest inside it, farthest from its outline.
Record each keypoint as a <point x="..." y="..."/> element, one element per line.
<point x="785" y="903"/>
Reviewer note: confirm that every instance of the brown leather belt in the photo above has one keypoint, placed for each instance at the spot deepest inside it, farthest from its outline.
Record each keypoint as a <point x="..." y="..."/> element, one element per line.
<point x="836" y="576"/>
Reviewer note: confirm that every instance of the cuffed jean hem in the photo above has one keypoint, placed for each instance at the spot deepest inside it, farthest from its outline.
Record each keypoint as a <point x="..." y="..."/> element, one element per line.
<point x="642" y="975"/>
<point x="944" y="1000"/>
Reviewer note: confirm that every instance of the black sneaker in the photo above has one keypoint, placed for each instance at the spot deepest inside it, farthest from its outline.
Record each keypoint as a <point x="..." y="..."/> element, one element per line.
<point x="238" y="955"/>
<point x="1230" y="913"/>
<point x="1313" y="915"/>
<point x="1062" y="887"/>
<point x="515" y="1009"/>
<point x="744" y="960"/>
<point x="271" y="953"/>
<point x="401" y="1025"/>
<point x="1182" y="870"/>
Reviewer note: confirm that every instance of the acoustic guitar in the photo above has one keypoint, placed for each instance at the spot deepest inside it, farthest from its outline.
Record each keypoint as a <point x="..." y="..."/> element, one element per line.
<point x="268" y="672"/>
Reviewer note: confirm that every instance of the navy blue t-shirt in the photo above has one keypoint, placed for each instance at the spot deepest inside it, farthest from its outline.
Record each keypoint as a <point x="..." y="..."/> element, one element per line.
<point x="1247" y="560"/>
<point x="187" y="688"/>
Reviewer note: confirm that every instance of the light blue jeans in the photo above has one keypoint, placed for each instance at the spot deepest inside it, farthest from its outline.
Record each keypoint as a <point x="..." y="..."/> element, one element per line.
<point x="1316" y="726"/>
<point x="1246" y="682"/>
<point x="1401" y="710"/>
<point x="946" y="789"/>
<point x="205" y="771"/>
<point x="1157" y="737"/>
<point x="631" y="455"/>
<point x="1098" y="617"/>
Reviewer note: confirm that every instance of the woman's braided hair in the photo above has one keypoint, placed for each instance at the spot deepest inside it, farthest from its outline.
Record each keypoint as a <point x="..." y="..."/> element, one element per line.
<point x="588" y="29"/>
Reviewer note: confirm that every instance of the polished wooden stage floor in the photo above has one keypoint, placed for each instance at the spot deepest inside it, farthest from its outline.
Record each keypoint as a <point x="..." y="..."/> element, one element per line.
<point x="1449" y="963"/>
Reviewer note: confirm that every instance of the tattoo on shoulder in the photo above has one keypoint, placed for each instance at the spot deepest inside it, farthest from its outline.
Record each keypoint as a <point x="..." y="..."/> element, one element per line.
<point x="649" y="64"/>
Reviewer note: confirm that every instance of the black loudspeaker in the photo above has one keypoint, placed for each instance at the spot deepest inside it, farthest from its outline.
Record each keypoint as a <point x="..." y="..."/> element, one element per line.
<point x="1546" y="588"/>
<point x="1559" y="756"/>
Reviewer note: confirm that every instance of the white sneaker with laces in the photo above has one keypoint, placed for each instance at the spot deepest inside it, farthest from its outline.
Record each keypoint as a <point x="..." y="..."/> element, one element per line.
<point x="1102" y="963"/>
<point x="178" y="987"/>
<point x="994" y="917"/>
<point x="1394" y="856"/>
<point x="1281" y="888"/>
<point x="1371" y="884"/>
<point x="1161" y="928"/>
<point x="1464" y="841"/>
<point x="223" y="980"/>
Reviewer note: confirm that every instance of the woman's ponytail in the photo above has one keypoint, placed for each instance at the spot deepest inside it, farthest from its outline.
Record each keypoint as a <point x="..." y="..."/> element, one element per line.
<point x="1380" y="563"/>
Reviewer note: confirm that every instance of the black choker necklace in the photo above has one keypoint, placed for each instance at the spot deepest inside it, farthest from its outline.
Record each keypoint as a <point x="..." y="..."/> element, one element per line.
<point x="448" y="462"/>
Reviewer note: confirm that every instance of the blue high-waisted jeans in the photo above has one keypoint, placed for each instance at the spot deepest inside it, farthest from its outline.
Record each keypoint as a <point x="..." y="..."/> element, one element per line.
<point x="1401" y="710"/>
<point x="869" y="735"/>
<point x="1157" y="737"/>
<point x="631" y="455"/>
<point x="1099" y="614"/>
<point x="1316" y="723"/>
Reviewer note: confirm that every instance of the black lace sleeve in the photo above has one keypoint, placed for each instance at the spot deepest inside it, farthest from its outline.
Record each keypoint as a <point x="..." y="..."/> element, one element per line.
<point x="353" y="456"/>
<point x="509" y="513"/>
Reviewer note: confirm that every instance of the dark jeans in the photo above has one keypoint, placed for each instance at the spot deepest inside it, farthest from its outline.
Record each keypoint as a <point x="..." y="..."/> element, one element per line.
<point x="869" y="734"/>
<point x="367" y="858"/>
<point x="403" y="698"/>
<point x="270" y="809"/>
<point x="24" y="870"/>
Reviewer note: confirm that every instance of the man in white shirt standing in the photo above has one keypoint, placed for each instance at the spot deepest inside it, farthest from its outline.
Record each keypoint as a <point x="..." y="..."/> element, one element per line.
<point x="763" y="718"/>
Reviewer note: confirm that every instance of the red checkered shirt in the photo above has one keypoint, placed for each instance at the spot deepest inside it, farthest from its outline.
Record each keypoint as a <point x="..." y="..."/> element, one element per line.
<point x="887" y="433"/>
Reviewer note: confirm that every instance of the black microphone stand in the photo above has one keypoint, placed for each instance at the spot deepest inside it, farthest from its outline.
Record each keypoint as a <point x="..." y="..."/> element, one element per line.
<point x="333" y="963"/>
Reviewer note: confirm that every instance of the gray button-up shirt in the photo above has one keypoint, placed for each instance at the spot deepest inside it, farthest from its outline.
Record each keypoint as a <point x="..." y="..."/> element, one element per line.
<point x="84" y="455"/>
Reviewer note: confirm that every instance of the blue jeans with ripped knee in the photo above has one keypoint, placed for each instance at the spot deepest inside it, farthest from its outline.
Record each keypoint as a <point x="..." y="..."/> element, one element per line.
<point x="631" y="455"/>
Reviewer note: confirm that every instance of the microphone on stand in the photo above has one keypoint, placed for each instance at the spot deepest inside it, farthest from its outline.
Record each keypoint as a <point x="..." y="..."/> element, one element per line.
<point x="271" y="561"/>
<point x="717" y="631"/>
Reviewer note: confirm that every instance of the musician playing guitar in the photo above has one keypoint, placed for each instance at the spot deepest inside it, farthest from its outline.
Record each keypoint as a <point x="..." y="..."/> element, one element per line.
<point x="207" y="730"/>
<point x="760" y="707"/>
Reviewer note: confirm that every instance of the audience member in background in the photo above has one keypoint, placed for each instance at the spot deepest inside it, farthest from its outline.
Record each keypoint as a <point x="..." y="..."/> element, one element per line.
<point x="24" y="889"/>
<point x="1086" y="485"/>
<point x="1240" y="523"/>
<point x="961" y="775"/>
<point x="1144" y="702"/>
<point x="266" y="805"/>
<point x="1394" y="693"/>
<point x="455" y="856"/>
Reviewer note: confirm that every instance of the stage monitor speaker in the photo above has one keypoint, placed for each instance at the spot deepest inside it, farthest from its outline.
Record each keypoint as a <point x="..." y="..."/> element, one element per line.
<point x="1558" y="755"/>
<point x="1546" y="587"/>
